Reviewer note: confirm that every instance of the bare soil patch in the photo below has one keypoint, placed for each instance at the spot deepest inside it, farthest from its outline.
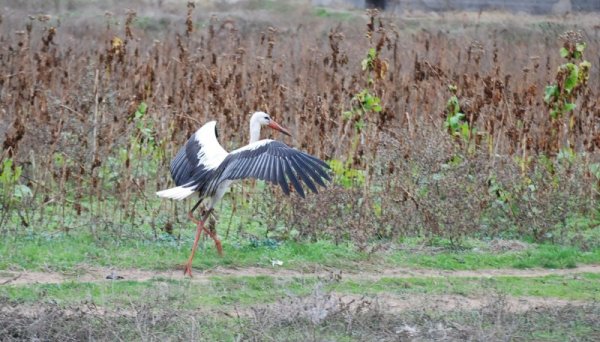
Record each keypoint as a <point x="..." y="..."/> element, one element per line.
<point x="107" y="274"/>
<point x="447" y="302"/>
<point x="387" y="303"/>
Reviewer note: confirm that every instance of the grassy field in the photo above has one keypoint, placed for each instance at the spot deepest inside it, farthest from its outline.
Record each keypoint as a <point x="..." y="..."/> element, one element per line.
<point x="463" y="151"/>
<point x="309" y="290"/>
<point x="62" y="253"/>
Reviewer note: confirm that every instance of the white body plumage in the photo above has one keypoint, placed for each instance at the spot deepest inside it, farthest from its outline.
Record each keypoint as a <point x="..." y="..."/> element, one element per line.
<point x="203" y="166"/>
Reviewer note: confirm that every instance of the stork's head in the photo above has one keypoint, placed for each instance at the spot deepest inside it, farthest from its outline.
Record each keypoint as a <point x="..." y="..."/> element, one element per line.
<point x="264" y="119"/>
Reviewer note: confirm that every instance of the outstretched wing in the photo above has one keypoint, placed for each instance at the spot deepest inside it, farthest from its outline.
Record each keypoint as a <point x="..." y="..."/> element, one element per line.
<point x="196" y="161"/>
<point x="275" y="162"/>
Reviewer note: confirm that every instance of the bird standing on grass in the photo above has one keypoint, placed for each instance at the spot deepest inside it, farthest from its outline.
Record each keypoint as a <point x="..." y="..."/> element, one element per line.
<point x="202" y="166"/>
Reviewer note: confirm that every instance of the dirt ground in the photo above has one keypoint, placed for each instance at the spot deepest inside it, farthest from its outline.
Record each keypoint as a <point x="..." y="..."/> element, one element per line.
<point x="393" y="303"/>
<point x="106" y="274"/>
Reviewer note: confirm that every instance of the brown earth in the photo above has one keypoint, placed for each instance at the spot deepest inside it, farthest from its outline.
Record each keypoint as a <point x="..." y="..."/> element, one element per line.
<point x="387" y="302"/>
<point x="391" y="303"/>
<point x="104" y="274"/>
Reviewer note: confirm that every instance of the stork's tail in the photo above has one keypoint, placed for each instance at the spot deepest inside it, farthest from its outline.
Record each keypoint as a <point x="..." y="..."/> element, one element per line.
<point x="178" y="192"/>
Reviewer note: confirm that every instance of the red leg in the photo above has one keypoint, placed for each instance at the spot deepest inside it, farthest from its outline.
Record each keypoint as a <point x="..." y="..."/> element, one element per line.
<point x="193" y="218"/>
<point x="213" y="235"/>
<point x="210" y="233"/>
<point x="199" y="229"/>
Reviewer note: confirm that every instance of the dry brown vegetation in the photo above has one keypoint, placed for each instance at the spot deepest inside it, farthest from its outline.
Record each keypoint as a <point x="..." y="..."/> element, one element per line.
<point x="70" y="87"/>
<point x="318" y="316"/>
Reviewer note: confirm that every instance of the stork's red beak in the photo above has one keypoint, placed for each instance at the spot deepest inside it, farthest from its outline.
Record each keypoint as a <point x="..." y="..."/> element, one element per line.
<point x="274" y="125"/>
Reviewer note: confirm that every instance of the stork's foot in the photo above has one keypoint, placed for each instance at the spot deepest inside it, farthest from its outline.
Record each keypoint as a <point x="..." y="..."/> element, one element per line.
<point x="188" y="269"/>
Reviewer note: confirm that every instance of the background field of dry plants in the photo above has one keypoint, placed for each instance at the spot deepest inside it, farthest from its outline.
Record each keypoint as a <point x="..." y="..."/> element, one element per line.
<point x="464" y="157"/>
<point x="94" y="104"/>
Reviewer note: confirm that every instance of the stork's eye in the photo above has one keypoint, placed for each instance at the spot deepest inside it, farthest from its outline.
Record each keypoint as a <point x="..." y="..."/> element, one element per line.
<point x="267" y="118"/>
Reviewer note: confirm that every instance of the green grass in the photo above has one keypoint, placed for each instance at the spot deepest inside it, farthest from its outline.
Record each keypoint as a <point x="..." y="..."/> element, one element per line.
<point x="327" y="13"/>
<point x="270" y="5"/>
<point x="64" y="252"/>
<point x="583" y="287"/>
<point x="546" y="256"/>
<point x="227" y="291"/>
<point x="218" y="292"/>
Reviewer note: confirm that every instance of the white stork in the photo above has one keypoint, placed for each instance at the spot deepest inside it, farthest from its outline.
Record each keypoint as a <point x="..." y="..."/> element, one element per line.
<point x="203" y="166"/>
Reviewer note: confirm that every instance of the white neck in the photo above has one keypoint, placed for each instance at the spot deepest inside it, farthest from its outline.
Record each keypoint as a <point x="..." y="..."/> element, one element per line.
<point x="254" y="131"/>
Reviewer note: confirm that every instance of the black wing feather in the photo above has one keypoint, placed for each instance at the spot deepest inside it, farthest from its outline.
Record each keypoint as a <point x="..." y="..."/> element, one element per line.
<point x="187" y="169"/>
<point x="275" y="171"/>
<point x="317" y="166"/>
<point x="310" y="170"/>
<point x="237" y="168"/>
<point x="304" y="165"/>
<point x="265" y="170"/>
<point x="293" y="178"/>
<point x="274" y="162"/>
<point x="306" y="179"/>
<point x="185" y="162"/>
<point x="282" y="181"/>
